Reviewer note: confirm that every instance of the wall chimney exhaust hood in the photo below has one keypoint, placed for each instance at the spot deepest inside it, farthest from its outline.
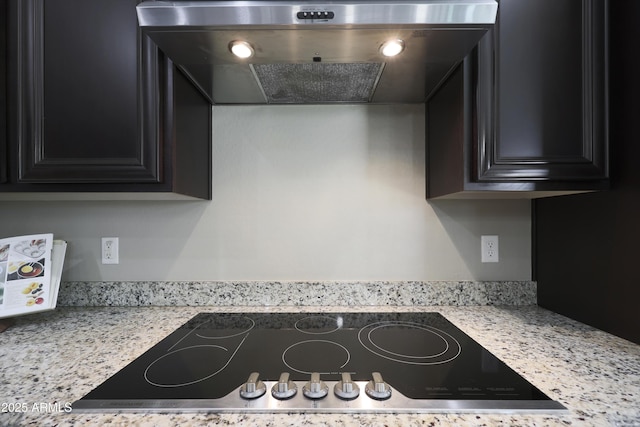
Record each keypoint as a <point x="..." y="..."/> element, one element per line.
<point x="316" y="52"/>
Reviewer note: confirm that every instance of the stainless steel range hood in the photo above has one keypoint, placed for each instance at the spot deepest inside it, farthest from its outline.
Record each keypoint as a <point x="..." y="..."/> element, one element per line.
<point x="312" y="52"/>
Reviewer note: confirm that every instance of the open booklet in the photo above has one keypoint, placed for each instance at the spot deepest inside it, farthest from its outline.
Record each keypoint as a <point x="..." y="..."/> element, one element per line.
<point x="30" y="272"/>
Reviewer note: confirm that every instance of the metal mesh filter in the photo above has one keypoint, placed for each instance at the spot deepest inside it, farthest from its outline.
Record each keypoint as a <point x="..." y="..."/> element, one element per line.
<point x="317" y="82"/>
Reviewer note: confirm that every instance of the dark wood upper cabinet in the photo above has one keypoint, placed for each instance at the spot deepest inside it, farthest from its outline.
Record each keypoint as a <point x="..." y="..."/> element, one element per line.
<point x="94" y="102"/>
<point x="527" y="111"/>
<point x="3" y="94"/>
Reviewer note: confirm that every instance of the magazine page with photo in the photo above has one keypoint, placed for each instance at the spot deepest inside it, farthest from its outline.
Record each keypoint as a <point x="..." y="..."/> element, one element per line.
<point x="30" y="271"/>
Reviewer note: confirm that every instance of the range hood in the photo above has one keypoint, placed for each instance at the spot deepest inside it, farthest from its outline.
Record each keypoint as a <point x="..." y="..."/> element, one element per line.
<point x="314" y="52"/>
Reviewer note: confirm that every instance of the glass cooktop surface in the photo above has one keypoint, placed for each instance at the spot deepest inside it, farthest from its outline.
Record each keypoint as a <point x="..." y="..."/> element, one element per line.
<point x="421" y="362"/>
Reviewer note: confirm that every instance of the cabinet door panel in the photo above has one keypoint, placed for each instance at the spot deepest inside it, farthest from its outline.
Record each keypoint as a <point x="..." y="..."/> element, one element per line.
<point x="4" y="162"/>
<point x="541" y="92"/>
<point x="532" y="70"/>
<point x="88" y="107"/>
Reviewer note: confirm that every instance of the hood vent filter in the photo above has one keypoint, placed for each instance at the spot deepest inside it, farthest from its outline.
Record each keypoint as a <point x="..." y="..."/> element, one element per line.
<point x="318" y="82"/>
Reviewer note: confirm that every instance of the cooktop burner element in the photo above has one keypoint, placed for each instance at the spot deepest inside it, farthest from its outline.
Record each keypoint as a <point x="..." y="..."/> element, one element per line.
<point x="317" y="362"/>
<point x="396" y="341"/>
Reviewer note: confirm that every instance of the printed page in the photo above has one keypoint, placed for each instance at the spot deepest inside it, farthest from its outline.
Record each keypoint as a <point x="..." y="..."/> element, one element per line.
<point x="25" y="274"/>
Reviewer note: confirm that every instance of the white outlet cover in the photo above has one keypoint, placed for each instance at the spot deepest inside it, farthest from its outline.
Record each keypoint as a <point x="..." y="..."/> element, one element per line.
<point x="109" y="249"/>
<point x="490" y="249"/>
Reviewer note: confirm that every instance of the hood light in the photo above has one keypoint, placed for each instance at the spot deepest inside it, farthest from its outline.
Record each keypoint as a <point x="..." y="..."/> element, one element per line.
<point x="241" y="49"/>
<point x="392" y="47"/>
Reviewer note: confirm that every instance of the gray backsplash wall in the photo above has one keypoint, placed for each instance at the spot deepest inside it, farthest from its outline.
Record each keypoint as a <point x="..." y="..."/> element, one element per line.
<point x="299" y="193"/>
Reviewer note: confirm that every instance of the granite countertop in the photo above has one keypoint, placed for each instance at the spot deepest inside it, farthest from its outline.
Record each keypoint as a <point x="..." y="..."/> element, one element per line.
<point x="49" y="360"/>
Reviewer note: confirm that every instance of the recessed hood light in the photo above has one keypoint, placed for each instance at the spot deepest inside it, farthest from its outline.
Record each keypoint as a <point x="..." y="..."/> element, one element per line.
<point x="241" y="49"/>
<point x="392" y="48"/>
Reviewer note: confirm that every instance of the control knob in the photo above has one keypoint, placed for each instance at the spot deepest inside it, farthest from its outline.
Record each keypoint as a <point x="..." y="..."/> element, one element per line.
<point x="345" y="388"/>
<point x="377" y="388"/>
<point x="284" y="388"/>
<point x="315" y="388"/>
<point x="253" y="388"/>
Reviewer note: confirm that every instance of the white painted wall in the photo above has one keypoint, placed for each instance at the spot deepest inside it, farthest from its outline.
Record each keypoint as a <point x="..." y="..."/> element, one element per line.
<point x="300" y="193"/>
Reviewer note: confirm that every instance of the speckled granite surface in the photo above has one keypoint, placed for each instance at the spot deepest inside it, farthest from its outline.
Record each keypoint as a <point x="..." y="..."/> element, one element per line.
<point x="296" y="293"/>
<point x="57" y="357"/>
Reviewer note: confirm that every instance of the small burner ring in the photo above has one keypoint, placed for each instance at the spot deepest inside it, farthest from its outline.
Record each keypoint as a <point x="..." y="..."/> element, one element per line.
<point x="243" y="325"/>
<point x="332" y="324"/>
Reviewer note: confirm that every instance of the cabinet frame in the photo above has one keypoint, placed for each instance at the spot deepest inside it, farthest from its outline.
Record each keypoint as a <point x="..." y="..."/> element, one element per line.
<point x="33" y="164"/>
<point x="490" y="166"/>
<point x="4" y="154"/>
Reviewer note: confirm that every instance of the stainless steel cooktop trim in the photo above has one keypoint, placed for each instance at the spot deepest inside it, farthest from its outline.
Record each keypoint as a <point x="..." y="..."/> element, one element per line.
<point x="397" y="403"/>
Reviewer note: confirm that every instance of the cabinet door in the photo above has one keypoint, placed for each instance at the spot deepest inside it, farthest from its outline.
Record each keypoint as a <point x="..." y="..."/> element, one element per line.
<point x="540" y="99"/>
<point x="4" y="162"/>
<point x="86" y="93"/>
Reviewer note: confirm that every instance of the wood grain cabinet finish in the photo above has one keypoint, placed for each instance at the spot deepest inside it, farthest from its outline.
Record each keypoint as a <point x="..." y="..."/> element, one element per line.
<point x="93" y="102"/>
<point x="527" y="110"/>
<point x="3" y="94"/>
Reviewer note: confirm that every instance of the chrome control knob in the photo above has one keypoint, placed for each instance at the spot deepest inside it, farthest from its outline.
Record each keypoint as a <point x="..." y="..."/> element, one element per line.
<point x="284" y="388"/>
<point x="345" y="388"/>
<point x="253" y="388"/>
<point x="377" y="388"/>
<point x="315" y="388"/>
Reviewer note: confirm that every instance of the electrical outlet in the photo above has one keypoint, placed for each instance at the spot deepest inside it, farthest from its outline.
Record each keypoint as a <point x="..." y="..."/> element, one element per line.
<point x="110" y="250"/>
<point x="489" y="248"/>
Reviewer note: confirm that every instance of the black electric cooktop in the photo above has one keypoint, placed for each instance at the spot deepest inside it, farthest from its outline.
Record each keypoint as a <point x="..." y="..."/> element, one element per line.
<point x="317" y="362"/>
